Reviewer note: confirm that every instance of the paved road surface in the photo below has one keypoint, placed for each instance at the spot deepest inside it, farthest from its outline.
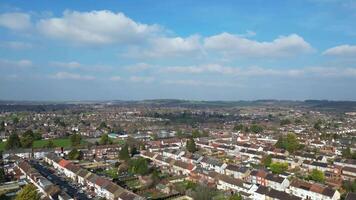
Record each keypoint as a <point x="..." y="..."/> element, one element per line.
<point x="63" y="184"/>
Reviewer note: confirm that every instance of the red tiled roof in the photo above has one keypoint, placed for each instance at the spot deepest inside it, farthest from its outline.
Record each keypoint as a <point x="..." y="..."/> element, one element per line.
<point x="63" y="163"/>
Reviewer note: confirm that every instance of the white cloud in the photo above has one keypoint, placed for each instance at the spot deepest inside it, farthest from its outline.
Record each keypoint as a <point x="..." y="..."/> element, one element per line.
<point x="163" y="47"/>
<point x="70" y="65"/>
<point x="233" y="71"/>
<point x="71" y="76"/>
<point x="115" y="78"/>
<point x="342" y="51"/>
<point x="15" y="21"/>
<point x="141" y="79"/>
<point x="200" y="83"/>
<point x="74" y="65"/>
<point x="331" y="71"/>
<point x="96" y="27"/>
<point x="15" y="63"/>
<point x="16" y="45"/>
<point x="237" y="46"/>
<point x="138" y="67"/>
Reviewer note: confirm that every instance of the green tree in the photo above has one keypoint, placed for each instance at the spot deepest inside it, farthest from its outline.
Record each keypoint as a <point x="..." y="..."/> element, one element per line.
<point x="266" y="161"/>
<point x="195" y="133"/>
<point x="202" y="192"/>
<point x="29" y="192"/>
<point x="236" y="196"/>
<point x="238" y="127"/>
<point x="317" y="176"/>
<point x="349" y="186"/>
<point x="2" y="174"/>
<point x="139" y="166"/>
<point x="190" y="145"/>
<point x="2" y="126"/>
<point x="256" y="128"/>
<point x="75" y="139"/>
<point x="13" y="142"/>
<point x="133" y="151"/>
<point x="15" y="120"/>
<point x="346" y="153"/>
<point x="102" y="125"/>
<point x="124" y="153"/>
<point x="289" y="142"/>
<point x="278" y="167"/>
<point x="285" y="122"/>
<point x="180" y="134"/>
<point x="74" y="155"/>
<point x="317" y="125"/>
<point x="26" y="141"/>
<point x="105" y="139"/>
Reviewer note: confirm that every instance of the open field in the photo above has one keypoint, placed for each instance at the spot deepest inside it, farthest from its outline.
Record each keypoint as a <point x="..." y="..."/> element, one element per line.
<point x="61" y="142"/>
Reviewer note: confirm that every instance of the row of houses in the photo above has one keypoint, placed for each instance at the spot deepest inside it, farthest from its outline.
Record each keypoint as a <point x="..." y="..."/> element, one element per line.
<point x="92" y="182"/>
<point x="251" y="184"/>
<point x="24" y="170"/>
<point x="95" y="151"/>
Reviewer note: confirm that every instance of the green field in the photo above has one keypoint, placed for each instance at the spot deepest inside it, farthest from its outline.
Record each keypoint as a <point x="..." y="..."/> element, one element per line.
<point x="61" y="142"/>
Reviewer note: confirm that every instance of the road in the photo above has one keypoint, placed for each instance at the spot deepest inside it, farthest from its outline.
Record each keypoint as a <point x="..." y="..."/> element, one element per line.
<point x="62" y="183"/>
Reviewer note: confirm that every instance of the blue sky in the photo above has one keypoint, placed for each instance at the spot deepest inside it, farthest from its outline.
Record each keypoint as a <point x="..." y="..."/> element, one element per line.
<point x="205" y="50"/>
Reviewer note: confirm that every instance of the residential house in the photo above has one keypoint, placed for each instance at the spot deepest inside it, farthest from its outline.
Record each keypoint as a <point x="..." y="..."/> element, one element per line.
<point x="267" y="193"/>
<point x="312" y="191"/>
<point x="235" y="171"/>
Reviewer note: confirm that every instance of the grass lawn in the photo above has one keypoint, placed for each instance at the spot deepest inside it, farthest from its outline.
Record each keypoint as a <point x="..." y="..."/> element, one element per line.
<point x="61" y="142"/>
<point x="133" y="184"/>
<point x="118" y="141"/>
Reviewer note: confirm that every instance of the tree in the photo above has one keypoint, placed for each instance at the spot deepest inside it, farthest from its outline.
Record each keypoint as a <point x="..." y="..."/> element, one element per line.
<point x="28" y="137"/>
<point x="133" y="151"/>
<point x="266" y="161"/>
<point x="139" y="166"/>
<point x="349" y="186"/>
<point x="278" y="167"/>
<point x="285" y="122"/>
<point x="124" y="153"/>
<point x="256" y="128"/>
<point x="29" y="192"/>
<point x="317" y="125"/>
<point x="26" y="141"/>
<point x="50" y="144"/>
<point x="2" y="126"/>
<point x="74" y="155"/>
<point x="13" y="142"/>
<point x="102" y="125"/>
<point x="289" y="142"/>
<point x="105" y="139"/>
<point x="317" y="176"/>
<point x="238" y="127"/>
<point x="75" y="139"/>
<point x="195" y="133"/>
<point x="15" y="120"/>
<point x="236" y="196"/>
<point x="202" y="192"/>
<point x="2" y="175"/>
<point x="346" y="153"/>
<point x="190" y="145"/>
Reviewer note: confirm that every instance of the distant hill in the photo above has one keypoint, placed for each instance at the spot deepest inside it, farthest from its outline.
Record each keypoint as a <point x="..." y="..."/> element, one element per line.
<point x="326" y="105"/>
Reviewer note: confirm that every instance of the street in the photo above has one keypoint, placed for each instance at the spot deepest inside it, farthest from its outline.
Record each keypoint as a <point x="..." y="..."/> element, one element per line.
<point x="61" y="182"/>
